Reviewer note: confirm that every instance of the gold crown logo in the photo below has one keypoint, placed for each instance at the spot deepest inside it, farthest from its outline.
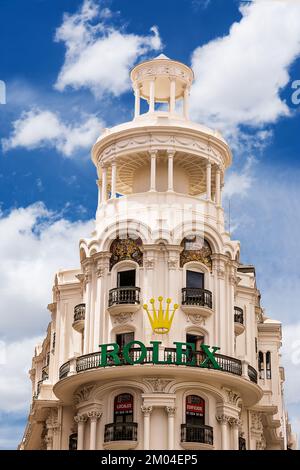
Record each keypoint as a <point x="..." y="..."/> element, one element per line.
<point x="160" y="320"/>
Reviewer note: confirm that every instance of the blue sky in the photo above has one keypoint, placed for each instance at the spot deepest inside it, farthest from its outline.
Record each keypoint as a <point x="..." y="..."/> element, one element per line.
<point x="56" y="107"/>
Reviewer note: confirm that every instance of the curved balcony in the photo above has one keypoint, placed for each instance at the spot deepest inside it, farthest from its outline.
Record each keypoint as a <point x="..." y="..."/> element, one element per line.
<point x="239" y="327"/>
<point x="197" y="436"/>
<point x="120" y="436"/>
<point x="79" y="317"/>
<point x="124" y="300"/>
<point x="252" y="373"/>
<point x="196" y="301"/>
<point x="232" y="372"/>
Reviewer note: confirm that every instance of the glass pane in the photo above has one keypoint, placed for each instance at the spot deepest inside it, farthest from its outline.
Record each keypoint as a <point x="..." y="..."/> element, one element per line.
<point x="126" y="278"/>
<point x="194" y="280"/>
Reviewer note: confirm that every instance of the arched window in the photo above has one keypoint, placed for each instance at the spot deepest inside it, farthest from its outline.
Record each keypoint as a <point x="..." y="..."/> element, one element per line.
<point x="261" y="368"/>
<point x="123" y="408"/>
<point x="73" y="441"/>
<point x="195" y="248"/>
<point x="268" y="365"/>
<point x="194" y="410"/>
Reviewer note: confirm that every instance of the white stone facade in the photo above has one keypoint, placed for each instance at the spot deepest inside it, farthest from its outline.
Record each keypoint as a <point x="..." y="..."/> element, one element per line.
<point x="160" y="229"/>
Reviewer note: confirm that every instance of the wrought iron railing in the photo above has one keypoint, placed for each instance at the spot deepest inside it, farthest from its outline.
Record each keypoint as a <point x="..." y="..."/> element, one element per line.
<point x="79" y="312"/>
<point x="252" y="373"/>
<point x="194" y="296"/>
<point x="197" y="433"/>
<point x="120" y="432"/>
<point x="192" y="359"/>
<point x="64" y="370"/>
<point x="124" y="295"/>
<point x="238" y="315"/>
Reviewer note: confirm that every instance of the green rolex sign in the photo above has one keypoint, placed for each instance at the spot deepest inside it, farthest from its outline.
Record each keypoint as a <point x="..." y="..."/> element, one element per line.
<point x="135" y="352"/>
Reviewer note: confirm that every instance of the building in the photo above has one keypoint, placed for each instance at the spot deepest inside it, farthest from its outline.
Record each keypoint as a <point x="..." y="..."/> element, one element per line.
<point x="192" y="361"/>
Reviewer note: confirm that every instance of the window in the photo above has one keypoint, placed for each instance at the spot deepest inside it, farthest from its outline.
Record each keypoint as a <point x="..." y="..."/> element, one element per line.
<point x="197" y="340"/>
<point x="124" y="338"/>
<point x="268" y="365"/>
<point x="261" y="368"/>
<point x="123" y="408"/>
<point x="73" y="441"/>
<point x="194" y="280"/>
<point x="194" y="410"/>
<point x="126" y="278"/>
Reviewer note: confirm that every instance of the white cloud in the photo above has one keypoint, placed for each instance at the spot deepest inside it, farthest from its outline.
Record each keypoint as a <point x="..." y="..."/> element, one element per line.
<point x="291" y="362"/>
<point x="34" y="244"/>
<point x="98" y="55"/>
<point x="239" y="182"/>
<point x="239" y="76"/>
<point x="42" y="128"/>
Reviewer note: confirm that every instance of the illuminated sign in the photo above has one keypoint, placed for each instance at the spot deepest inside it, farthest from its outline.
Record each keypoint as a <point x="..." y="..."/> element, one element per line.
<point x="135" y="352"/>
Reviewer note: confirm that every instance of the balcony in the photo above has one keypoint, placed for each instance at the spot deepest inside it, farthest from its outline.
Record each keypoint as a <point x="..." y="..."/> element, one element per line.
<point x="196" y="302"/>
<point x="197" y="436"/>
<point x="120" y="436"/>
<point x="124" y="300"/>
<point x="79" y="317"/>
<point x="239" y="327"/>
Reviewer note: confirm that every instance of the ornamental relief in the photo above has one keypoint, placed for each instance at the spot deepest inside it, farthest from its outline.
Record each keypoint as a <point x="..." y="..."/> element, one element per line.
<point x="126" y="249"/>
<point x="201" y="254"/>
<point x="160" y="141"/>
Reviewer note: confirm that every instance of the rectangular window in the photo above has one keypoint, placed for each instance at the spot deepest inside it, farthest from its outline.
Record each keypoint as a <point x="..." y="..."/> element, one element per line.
<point x="124" y="338"/>
<point x="126" y="278"/>
<point x="194" y="280"/>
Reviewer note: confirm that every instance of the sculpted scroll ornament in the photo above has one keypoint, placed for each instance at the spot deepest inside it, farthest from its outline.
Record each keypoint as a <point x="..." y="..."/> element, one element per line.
<point x="83" y="394"/>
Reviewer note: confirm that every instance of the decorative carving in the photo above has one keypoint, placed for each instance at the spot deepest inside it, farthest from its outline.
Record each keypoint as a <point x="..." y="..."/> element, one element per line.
<point x="223" y="419"/>
<point x="256" y="424"/>
<point x="195" y="249"/>
<point x="83" y="394"/>
<point x="126" y="248"/>
<point x="195" y="318"/>
<point x="234" y="421"/>
<point x="149" y="263"/>
<point x="157" y="384"/>
<point x="123" y="317"/>
<point x="94" y="415"/>
<point x="100" y="271"/>
<point x="261" y="444"/>
<point x="232" y="397"/>
<point x="147" y="410"/>
<point x="80" y="418"/>
<point x="173" y="263"/>
<point x="171" y="410"/>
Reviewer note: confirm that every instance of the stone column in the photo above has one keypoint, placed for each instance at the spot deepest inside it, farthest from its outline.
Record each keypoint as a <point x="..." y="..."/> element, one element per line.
<point x="186" y="102"/>
<point x="152" y="95"/>
<point x="172" y="94"/>
<point x="234" y="423"/>
<point x="223" y="420"/>
<point x="104" y="184"/>
<point x="171" y="410"/>
<point x="137" y="95"/>
<point x="170" y="171"/>
<point x="80" y="420"/>
<point x="218" y="186"/>
<point x="208" y="181"/>
<point x="113" y="179"/>
<point x="153" y="172"/>
<point x="93" y="417"/>
<point x="147" y="412"/>
<point x="99" y="185"/>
